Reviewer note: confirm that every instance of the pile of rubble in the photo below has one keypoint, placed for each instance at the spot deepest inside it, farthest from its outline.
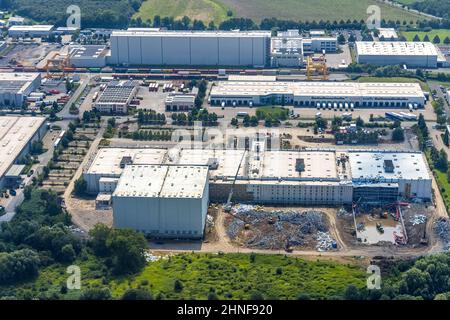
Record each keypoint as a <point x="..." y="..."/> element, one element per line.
<point x="259" y="228"/>
<point x="325" y="242"/>
<point x="150" y="257"/>
<point x="418" y="219"/>
<point x="442" y="229"/>
<point x="209" y="221"/>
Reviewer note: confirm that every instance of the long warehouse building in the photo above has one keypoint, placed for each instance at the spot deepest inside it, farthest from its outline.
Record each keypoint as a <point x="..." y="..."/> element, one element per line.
<point x="165" y="193"/>
<point x="317" y="94"/>
<point x="16" y="136"/>
<point x="313" y="177"/>
<point x="15" y="88"/>
<point x="411" y="54"/>
<point x="190" y="48"/>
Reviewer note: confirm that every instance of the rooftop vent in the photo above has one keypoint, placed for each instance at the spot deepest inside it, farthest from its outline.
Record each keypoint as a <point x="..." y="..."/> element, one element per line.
<point x="125" y="161"/>
<point x="388" y="166"/>
<point x="299" y="165"/>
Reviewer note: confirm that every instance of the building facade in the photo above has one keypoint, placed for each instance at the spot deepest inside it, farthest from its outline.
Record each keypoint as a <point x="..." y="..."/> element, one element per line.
<point x="317" y="94"/>
<point x="190" y="48"/>
<point x="411" y="54"/>
<point x="162" y="201"/>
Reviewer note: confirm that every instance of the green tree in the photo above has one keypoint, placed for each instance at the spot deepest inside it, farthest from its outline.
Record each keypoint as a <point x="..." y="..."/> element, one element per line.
<point x="80" y="187"/>
<point x="127" y="249"/>
<point x="398" y="134"/>
<point x="351" y="293"/>
<point x="178" y="285"/>
<point x="96" y="294"/>
<point x="68" y="253"/>
<point x="137" y="294"/>
<point x="98" y="237"/>
<point x="18" y="265"/>
<point x="436" y="39"/>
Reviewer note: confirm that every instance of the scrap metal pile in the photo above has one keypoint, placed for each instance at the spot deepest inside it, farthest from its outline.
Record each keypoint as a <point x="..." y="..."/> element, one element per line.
<point x="442" y="229"/>
<point x="263" y="229"/>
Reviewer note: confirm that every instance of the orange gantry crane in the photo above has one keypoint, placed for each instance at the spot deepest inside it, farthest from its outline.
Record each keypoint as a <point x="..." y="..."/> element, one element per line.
<point x="57" y="65"/>
<point x="316" y="65"/>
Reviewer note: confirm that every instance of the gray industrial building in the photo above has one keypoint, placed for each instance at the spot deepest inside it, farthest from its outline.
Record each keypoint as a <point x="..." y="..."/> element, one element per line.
<point x="16" y="137"/>
<point x="117" y="96"/>
<point x="411" y="54"/>
<point x="15" y="87"/>
<point x="319" y="94"/>
<point x="305" y="177"/>
<point x="24" y="31"/>
<point x="190" y="48"/>
<point x="162" y="200"/>
<point x="88" y="56"/>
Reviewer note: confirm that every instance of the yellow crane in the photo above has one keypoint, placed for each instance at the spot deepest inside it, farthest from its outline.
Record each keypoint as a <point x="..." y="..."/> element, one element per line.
<point x="316" y="65"/>
<point x="57" y="65"/>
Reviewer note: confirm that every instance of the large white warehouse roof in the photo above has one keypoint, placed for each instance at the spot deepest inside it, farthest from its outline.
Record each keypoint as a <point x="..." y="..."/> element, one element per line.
<point x="316" y="88"/>
<point x="15" y="133"/>
<point x="162" y="181"/>
<point x="16" y="82"/>
<point x="395" y="48"/>
<point x="367" y="165"/>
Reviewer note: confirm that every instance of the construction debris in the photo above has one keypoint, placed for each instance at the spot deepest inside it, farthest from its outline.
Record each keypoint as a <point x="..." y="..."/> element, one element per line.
<point x="257" y="227"/>
<point x="442" y="229"/>
<point x="325" y="242"/>
<point x="209" y="221"/>
<point x="418" y="219"/>
<point x="150" y="257"/>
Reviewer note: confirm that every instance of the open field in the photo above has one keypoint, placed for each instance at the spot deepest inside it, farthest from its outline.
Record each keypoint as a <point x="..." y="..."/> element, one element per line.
<point x="205" y="10"/>
<point x="232" y="276"/>
<point x="442" y="33"/>
<point x="297" y="10"/>
<point x="309" y="10"/>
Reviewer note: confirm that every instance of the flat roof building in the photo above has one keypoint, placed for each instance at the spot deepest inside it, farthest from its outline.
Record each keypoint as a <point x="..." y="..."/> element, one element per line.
<point x="287" y="50"/>
<point x="15" y="21"/>
<point x="183" y="48"/>
<point x="411" y="54"/>
<point x="21" y="31"/>
<point x="162" y="201"/>
<point x="387" y="34"/>
<point x="308" y="177"/>
<point x="16" y="136"/>
<point x="15" y="87"/>
<point x="405" y="172"/>
<point x="316" y="93"/>
<point x="88" y="56"/>
<point x="180" y="102"/>
<point x="117" y="96"/>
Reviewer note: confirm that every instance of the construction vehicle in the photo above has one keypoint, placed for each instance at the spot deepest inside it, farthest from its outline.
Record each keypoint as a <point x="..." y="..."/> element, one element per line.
<point x="316" y="65"/>
<point x="380" y="228"/>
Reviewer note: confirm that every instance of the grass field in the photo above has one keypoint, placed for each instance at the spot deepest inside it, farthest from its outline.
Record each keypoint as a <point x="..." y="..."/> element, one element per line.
<point x="442" y="33"/>
<point x="297" y="10"/>
<point x="205" y="10"/>
<point x="272" y="112"/>
<point x="231" y="276"/>
<point x="308" y="10"/>
<point x="423" y="85"/>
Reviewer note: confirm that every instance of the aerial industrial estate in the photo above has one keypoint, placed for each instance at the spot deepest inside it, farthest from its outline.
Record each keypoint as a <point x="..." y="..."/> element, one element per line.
<point x="151" y="146"/>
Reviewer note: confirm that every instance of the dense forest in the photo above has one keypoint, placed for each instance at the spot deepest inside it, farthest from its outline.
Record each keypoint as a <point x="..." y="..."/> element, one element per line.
<point x="439" y="8"/>
<point x="94" y="13"/>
